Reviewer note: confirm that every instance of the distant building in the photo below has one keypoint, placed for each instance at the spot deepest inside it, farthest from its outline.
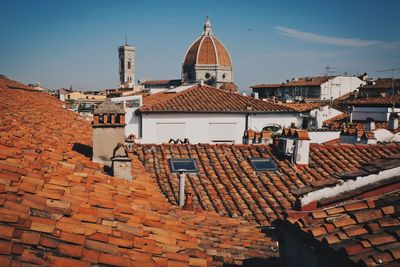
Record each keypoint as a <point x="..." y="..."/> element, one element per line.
<point x="38" y="87"/>
<point x="205" y="114"/>
<point x="153" y="86"/>
<point x="311" y="88"/>
<point x="380" y="87"/>
<point x="377" y="108"/>
<point x="130" y="105"/>
<point x="126" y="66"/>
<point x="73" y="96"/>
<point x="207" y="60"/>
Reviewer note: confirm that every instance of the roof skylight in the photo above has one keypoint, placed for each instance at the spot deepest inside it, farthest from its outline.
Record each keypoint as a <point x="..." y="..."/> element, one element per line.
<point x="263" y="164"/>
<point x="183" y="165"/>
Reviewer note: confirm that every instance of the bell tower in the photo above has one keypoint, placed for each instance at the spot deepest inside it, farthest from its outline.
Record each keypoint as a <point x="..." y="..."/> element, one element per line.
<point x="126" y="65"/>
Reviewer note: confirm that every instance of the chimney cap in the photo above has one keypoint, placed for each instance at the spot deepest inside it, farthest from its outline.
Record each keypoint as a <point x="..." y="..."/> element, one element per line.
<point x="108" y="107"/>
<point x="302" y="135"/>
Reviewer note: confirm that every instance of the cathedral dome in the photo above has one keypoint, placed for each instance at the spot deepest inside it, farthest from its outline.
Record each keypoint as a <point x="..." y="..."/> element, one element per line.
<point x="207" y="50"/>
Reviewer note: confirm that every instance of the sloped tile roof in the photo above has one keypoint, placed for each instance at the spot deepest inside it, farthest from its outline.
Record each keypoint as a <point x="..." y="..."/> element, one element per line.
<point x="226" y="182"/>
<point x="376" y="101"/>
<point x="157" y="82"/>
<point x="383" y="83"/>
<point x="340" y="122"/>
<point x="366" y="232"/>
<point x="203" y="98"/>
<point x="303" y="81"/>
<point x="59" y="208"/>
<point x="11" y="84"/>
<point x="266" y="86"/>
<point x="302" y="107"/>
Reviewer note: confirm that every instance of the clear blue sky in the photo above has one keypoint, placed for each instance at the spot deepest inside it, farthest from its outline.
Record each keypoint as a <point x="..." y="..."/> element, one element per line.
<point x="60" y="43"/>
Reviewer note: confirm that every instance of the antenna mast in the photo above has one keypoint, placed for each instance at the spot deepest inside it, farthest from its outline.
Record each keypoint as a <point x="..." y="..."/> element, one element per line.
<point x="329" y="70"/>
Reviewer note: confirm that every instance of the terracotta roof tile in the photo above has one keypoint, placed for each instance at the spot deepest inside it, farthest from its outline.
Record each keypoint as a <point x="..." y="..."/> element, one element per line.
<point x="341" y="122"/>
<point x="226" y="182"/>
<point x="367" y="235"/>
<point x="203" y="98"/>
<point x="303" y="107"/>
<point x="58" y="208"/>
<point x="376" y="101"/>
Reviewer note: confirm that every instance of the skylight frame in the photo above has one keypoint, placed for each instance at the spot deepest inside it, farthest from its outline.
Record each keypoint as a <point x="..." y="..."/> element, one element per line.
<point x="254" y="160"/>
<point x="183" y="160"/>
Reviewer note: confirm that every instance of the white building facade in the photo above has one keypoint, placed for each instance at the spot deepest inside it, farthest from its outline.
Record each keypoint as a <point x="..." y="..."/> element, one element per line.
<point x="209" y="127"/>
<point x="339" y="86"/>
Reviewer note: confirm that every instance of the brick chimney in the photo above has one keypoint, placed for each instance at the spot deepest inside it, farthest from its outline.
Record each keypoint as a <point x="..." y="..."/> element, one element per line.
<point x="108" y="130"/>
<point x="121" y="163"/>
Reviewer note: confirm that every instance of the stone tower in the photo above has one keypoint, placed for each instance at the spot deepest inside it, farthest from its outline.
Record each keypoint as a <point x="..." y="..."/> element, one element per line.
<point x="108" y="131"/>
<point x="126" y="66"/>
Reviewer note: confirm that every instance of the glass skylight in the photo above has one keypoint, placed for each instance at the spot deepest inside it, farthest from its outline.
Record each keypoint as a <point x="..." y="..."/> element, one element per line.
<point x="263" y="164"/>
<point x="183" y="165"/>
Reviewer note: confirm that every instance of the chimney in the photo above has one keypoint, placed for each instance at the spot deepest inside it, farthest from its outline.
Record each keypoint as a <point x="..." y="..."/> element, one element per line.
<point x="121" y="163"/>
<point x="108" y="130"/>
<point x="302" y="147"/>
<point x="181" y="189"/>
<point x="189" y="202"/>
<point x="370" y="125"/>
<point x="255" y="95"/>
<point x="393" y="121"/>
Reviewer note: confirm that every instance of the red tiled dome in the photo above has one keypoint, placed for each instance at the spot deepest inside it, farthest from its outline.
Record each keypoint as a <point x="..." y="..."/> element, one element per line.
<point x="207" y="50"/>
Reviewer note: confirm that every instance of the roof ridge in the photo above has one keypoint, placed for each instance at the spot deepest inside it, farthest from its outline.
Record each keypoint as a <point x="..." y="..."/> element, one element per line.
<point x="236" y="99"/>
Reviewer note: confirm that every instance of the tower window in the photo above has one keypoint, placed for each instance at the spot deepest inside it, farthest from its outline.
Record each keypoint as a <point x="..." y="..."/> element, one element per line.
<point x="129" y="65"/>
<point x="207" y="75"/>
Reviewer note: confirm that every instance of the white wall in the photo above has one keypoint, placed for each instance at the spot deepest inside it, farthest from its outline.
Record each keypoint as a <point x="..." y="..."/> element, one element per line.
<point x="324" y="113"/>
<point x="199" y="127"/>
<point x="132" y="121"/>
<point x="339" y="86"/>
<point x="194" y="126"/>
<point x="258" y="121"/>
<point x="319" y="137"/>
<point x="377" y="113"/>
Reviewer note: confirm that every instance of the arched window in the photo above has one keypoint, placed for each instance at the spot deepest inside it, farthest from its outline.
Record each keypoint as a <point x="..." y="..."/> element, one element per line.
<point x="129" y="65"/>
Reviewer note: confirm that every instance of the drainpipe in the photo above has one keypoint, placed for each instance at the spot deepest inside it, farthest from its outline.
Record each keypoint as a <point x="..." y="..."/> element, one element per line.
<point x="141" y="125"/>
<point x="247" y="122"/>
<point x="181" y="189"/>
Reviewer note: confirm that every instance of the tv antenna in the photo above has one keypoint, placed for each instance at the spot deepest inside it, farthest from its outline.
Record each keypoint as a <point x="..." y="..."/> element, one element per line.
<point x="329" y="70"/>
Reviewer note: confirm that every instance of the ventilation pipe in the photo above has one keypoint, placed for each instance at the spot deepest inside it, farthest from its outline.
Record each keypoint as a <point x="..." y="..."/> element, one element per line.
<point x="181" y="189"/>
